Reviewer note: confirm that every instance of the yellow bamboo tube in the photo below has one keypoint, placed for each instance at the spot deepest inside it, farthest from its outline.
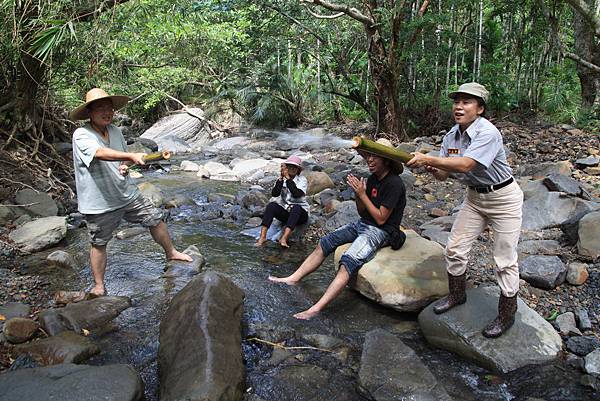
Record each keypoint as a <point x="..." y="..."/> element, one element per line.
<point x="154" y="157"/>
<point x="361" y="143"/>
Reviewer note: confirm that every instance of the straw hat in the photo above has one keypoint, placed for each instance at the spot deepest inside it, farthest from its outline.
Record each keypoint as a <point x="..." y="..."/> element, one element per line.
<point x="397" y="167"/>
<point x="81" y="112"/>
<point x="294" y="161"/>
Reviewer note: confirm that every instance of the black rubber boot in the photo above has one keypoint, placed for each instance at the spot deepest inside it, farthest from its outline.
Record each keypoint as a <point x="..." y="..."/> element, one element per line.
<point x="457" y="296"/>
<point x="507" y="308"/>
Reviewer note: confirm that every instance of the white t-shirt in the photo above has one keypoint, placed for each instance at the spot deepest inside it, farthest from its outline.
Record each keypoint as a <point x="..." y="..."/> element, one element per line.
<point x="286" y="200"/>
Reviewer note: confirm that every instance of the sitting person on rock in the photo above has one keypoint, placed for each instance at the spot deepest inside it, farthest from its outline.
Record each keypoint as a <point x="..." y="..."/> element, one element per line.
<point x="474" y="149"/>
<point x="290" y="205"/>
<point x="380" y="200"/>
<point x="105" y="192"/>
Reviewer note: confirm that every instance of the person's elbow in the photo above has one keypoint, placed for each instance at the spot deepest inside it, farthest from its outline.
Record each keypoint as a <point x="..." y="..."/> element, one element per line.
<point x="466" y="164"/>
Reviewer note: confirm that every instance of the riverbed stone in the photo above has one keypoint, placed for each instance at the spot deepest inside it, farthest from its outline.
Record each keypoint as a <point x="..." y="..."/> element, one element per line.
<point x="188" y="165"/>
<point x="397" y="375"/>
<point x="345" y="212"/>
<point x="317" y="182"/>
<point x="567" y="325"/>
<point x="592" y="363"/>
<point x="62" y="258"/>
<point x="200" y="354"/>
<point x="540" y="247"/>
<point x="577" y="273"/>
<point x="583" y="319"/>
<point x="531" y="340"/>
<point x="36" y="203"/>
<point x="181" y="132"/>
<point x="179" y="268"/>
<point x="406" y="280"/>
<point x="545" y="210"/>
<point x="40" y="233"/>
<point x="6" y="215"/>
<point x="541" y="170"/>
<point x="582" y="345"/>
<point x="545" y="272"/>
<point x="562" y="183"/>
<point x="152" y="193"/>
<point x="66" y="347"/>
<point x="83" y="315"/>
<point x="72" y="382"/>
<point x="19" y="329"/>
<point x="588" y="233"/>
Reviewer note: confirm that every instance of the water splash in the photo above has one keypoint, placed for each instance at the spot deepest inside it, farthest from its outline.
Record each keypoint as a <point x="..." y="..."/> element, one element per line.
<point x="305" y="140"/>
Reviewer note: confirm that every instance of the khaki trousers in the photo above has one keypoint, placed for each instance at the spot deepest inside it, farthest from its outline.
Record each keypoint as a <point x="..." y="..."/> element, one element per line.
<point x="502" y="209"/>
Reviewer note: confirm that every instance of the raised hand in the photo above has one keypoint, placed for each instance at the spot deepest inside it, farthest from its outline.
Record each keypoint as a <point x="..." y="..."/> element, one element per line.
<point x="359" y="186"/>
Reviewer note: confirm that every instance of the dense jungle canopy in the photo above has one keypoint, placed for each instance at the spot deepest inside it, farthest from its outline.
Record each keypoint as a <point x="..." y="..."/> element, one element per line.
<point x="285" y="63"/>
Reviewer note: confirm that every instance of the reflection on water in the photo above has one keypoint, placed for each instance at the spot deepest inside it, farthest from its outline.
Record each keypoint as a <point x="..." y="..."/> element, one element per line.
<point x="135" y="268"/>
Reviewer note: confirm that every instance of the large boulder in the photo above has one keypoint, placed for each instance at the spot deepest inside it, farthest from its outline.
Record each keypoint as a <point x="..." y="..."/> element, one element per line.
<point x="397" y="375"/>
<point x="36" y="203"/>
<point x="83" y="315"/>
<point x="317" y="182"/>
<point x="345" y="212"/>
<point x="550" y="209"/>
<point x="182" y="132"/>
<point x="72" y="382"/>
<point x="40" y="233"/>
<point x="588" y="233"/>
<point x="531" y="340"/>
<point x="407" y="279"/>
<point x="200" y="354"/>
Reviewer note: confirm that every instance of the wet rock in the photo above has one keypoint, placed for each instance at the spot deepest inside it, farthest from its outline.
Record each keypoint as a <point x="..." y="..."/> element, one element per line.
<point x="540" y="247"/>
<point x="390" y="376"/>
<point x="180" y="132"/>
<point x="566" y="324"/>
<point x="323" y="341"/>
<point x="203" y="172"/>
<point x="253" y="201"/>
<point x="62" y="258"/>
<point x="36" y="203"/>
<point x="72" y="382"/>
<point x="200" y="355"/>
<point x="19" y="329"/>
<point x="551" y="209"/>
<point x="66" y="347"/>
<point x="178" y="268"/>
<point x="406" y="280"/>
<point x="577" y="273"/>
<point x="40" y="233"/>
<point x="187" y="165"/>
<point x="531" y="340"/>
<point x="592" y="362"/>
<point x="345" y="213"/>
<point x="545" y="272"/>
<point x="317" y="182"/>
<point x="83" y="315"/>
<point x="582" y="345"/>
<point x="541" y="170"/>
<point x="588" y="233"/>
<point x="152" y="193"/>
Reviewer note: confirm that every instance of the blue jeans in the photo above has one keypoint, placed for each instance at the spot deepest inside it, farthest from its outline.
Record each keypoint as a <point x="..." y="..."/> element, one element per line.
<point x="366" y="240"/>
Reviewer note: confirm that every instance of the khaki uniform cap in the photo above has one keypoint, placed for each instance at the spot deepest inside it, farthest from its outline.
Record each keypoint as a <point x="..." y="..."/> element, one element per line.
<point x="471" y="88"/>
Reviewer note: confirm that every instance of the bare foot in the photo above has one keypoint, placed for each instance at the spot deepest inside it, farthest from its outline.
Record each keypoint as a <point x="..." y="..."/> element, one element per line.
<point x="176" y="255"/>
<point x="260" y="242"/>
<point x="306" y="315"/>
<point x="285" y="280"/>
<point x="97" y="291"/>
<point x="284" y="244"/>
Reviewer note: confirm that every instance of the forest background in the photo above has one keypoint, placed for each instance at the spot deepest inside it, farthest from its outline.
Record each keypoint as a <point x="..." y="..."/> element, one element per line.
<point x="285" y="63"/>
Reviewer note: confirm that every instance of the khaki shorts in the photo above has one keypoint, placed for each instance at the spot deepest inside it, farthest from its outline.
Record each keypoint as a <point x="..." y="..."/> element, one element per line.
<point x="101" y="226"/>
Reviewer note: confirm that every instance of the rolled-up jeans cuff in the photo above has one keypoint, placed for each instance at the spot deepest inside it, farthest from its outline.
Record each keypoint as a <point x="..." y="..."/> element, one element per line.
<point x="351" y="264"/>
<point x="326" y="246"/>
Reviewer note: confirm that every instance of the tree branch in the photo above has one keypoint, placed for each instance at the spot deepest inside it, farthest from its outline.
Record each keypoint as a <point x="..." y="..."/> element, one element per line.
<point x="311" y="12"/>
<point x="588" y="14"/>
<point x="349" y="11"/>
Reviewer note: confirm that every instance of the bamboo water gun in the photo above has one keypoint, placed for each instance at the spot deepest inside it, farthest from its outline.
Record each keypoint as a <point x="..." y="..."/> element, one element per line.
<point x="361" y="143"/>
<point x="157" y="156"/>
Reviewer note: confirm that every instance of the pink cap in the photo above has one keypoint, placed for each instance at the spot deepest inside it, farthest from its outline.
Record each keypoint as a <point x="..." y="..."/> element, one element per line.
<point x="294" y="160"/>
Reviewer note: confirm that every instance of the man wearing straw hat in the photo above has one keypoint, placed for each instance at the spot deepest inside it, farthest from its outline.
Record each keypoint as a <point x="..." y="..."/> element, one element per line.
<point x="105" y="192"/>
<point x="380" y="200"/>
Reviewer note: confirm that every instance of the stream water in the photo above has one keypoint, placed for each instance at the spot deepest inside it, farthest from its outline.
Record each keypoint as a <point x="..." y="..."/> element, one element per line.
<point x="135" y="268"/>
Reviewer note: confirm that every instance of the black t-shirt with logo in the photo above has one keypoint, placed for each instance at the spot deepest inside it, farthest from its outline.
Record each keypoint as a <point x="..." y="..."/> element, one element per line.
<point x="391" y="193"/>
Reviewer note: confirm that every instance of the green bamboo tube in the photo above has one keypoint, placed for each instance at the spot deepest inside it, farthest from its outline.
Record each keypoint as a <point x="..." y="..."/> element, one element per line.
<point x="360" y="143"/>
<point x="154" y="157"/>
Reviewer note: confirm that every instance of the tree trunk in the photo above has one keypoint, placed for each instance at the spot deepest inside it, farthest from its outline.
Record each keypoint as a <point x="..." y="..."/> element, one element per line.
<point x="588" y="48"/>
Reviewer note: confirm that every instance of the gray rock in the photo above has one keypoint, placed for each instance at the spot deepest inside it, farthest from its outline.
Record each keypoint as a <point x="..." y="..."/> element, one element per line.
<point x="439" y="236"/>
<point x="540" y="247"/>
<point x="200" y="354"/>
<point x="83" y="315"/>
<point x="541" y="170"/>
<point x="72" y="382"/>
<point x="545" y="272"/>
<point x="345" y="213"/>
<point x="398" y="375"/>
<point x="531" y="340"/>
<point x="6" y="215"/>
<point x="551" y="209"/>
<point x="570" y="227"/>
<point x="62" y="258"/>
<point x="66" y="347"/>
<point x="561" y="183"/>
<point x="443" y="223"/>
<point x="590" y="161"/>
<point x="582" y="345"/>
<point x="19" y="329"/>
<point x="177" y="268"/>
<point x="588" y="233"/>
<point x="583" y="319"/>
<point x="40" y="233"/>
<point x="567" y="325"/>
<point x="592" y="362"/>
<point x="37" y="203"/>
<point x="180" y="132"/>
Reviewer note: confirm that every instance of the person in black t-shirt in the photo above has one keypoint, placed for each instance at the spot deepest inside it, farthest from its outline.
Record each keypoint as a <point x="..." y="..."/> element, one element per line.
<point x="380" y="201"/>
